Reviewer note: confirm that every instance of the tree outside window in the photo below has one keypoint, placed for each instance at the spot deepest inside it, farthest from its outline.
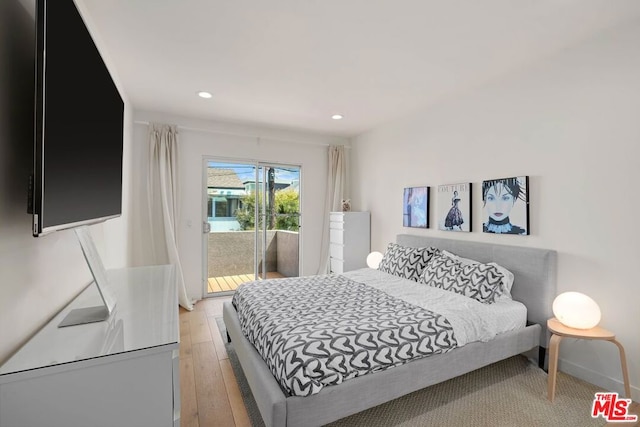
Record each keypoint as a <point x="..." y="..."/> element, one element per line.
<point x="287" y="208"/>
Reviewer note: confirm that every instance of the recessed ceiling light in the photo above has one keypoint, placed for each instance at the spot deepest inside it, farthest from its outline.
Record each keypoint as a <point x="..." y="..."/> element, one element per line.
<point x="337" y="117"/>
<point x="205" y="95"/>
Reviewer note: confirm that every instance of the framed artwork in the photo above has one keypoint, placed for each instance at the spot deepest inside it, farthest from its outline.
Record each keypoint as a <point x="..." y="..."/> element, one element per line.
<point x="506" y="205"/>
<point x="454" y="207"/>
<point x="415" y="207"/>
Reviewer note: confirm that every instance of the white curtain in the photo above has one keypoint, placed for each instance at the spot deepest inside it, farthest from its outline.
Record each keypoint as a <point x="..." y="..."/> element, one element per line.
<point x="336" y="182"/>
<point x="162" y="192"/>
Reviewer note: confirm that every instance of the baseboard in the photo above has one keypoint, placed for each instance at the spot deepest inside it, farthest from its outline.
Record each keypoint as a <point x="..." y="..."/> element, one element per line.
<point x="596" y="378"/>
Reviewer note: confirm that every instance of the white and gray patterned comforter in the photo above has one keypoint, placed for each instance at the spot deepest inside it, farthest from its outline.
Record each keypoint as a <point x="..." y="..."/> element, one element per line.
<point x="322" y="330"/>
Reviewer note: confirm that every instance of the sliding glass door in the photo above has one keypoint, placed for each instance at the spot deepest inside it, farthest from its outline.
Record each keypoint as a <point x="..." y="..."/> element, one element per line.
<point x="251" y="226"/>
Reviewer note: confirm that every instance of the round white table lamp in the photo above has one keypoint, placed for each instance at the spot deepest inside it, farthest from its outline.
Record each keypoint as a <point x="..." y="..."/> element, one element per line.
<point x="373" y="259"/>
<point x="576" y="310"/>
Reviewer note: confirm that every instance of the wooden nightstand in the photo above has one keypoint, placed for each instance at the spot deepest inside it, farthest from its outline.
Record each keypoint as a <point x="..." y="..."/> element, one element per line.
<point x="559" y="331"/>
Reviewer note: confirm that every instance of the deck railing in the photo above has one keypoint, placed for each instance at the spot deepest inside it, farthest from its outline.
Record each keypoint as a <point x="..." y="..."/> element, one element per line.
<point x="231" y="253"/>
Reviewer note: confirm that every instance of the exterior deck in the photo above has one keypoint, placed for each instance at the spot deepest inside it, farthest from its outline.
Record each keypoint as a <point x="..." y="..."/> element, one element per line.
<point x="230" y="283"/>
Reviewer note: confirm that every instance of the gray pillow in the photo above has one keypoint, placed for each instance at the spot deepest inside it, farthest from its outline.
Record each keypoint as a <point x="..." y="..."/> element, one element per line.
<point x="504" y="291"/>
<point x="482" y="282"/>
<point x="405" y="262"/>
<point x="441" y="272"/>
<point x="479" y="281"/>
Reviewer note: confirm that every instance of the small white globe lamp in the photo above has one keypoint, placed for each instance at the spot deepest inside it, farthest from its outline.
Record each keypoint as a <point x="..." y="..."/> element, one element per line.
<point x="373" y="259"/>
<point x="576" y="310"/>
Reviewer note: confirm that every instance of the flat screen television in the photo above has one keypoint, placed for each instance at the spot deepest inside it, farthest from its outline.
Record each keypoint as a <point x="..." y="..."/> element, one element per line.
<point x="79" y="114"/>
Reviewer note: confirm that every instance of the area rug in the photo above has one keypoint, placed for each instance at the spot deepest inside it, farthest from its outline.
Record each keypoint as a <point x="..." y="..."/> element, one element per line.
<point x="509" y="393"/>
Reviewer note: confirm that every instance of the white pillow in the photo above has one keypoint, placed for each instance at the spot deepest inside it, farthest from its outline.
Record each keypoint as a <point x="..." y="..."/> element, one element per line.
<point x="507" y="276"/>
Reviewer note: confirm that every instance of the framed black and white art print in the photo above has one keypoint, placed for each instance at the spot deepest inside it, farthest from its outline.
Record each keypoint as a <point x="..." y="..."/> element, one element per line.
<point x="506" y="205"/>
<point x="454" y="207"/>
<point x="415" y="207"/>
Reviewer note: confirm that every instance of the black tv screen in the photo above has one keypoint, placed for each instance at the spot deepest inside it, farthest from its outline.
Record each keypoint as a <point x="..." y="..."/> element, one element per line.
<point x="77" y="176"/>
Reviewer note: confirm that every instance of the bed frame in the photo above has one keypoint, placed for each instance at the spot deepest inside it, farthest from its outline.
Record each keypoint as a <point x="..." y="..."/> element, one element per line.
<point x="534" y="286"/>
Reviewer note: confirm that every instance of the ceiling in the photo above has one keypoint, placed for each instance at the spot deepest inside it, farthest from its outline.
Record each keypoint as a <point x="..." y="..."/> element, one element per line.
<point x="293" y="63"/>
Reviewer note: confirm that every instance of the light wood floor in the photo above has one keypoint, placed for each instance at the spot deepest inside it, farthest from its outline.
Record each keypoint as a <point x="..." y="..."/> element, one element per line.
<point x="209" y="393"/>
<point x="230" y="283"/>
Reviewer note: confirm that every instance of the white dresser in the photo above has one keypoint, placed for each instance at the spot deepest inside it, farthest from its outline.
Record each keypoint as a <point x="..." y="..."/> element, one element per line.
<point x="124" y="371"/>
<point x="349" y="237"/>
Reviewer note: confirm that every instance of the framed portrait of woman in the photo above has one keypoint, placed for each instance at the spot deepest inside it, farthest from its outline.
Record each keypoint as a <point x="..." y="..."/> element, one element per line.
<point x="506" y="205"/>
<point x="454" y="207"/>
<point x="415" y="210"/>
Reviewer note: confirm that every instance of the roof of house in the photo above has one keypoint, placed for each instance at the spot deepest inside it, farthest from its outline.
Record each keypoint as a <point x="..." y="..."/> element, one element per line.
<point x="223" y="178"/>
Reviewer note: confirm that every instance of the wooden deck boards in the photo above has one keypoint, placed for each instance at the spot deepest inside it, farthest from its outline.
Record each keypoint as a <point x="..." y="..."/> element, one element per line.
<point x="231" y="283"/>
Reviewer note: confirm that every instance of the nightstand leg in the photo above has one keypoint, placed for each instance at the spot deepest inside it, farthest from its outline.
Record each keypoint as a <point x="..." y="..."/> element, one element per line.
<point x="625" y="372"/>
<point x="554" y="344"/>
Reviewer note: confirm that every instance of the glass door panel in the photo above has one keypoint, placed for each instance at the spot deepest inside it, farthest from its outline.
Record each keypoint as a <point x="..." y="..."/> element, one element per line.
<point x="252" y="223"/>
<point x="230" y="241"/>
<point x="279" y="219"/>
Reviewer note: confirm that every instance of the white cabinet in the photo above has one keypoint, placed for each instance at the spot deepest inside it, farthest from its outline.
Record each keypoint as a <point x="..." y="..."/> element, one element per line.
<point x="123" y="371"/>
<point x="349" y="240"/>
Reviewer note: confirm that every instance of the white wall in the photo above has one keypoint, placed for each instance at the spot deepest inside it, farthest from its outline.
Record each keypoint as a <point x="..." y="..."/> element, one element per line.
<point x="572" y="123"/>
<point x="199" y="138"/>
<point x="38" y="276"/>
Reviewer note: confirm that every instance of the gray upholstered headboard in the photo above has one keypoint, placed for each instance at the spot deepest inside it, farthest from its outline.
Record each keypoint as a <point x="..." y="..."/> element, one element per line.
<point x="534" y="270"/>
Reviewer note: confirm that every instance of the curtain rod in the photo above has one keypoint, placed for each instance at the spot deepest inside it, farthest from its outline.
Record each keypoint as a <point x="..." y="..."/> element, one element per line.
<point x="146" y="123"/>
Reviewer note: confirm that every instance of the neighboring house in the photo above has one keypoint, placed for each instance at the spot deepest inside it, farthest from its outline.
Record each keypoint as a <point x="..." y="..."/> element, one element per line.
<point x="225" y="191"/>
<point x="295" y="185"/>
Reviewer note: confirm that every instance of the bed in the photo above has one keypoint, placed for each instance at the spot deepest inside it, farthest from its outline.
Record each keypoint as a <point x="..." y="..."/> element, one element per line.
<point x="534" y="286"/>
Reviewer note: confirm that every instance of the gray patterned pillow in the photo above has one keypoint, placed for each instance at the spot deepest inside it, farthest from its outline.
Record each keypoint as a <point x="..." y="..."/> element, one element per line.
<point x="405" y="262"/>
<point x="506" y="283"/>
<point x="481" y="282"/>
<point x="441" y="272"/>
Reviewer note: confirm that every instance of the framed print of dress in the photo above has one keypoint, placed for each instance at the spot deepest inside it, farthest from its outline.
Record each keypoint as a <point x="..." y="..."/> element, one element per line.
<point x="454" y="207"/>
